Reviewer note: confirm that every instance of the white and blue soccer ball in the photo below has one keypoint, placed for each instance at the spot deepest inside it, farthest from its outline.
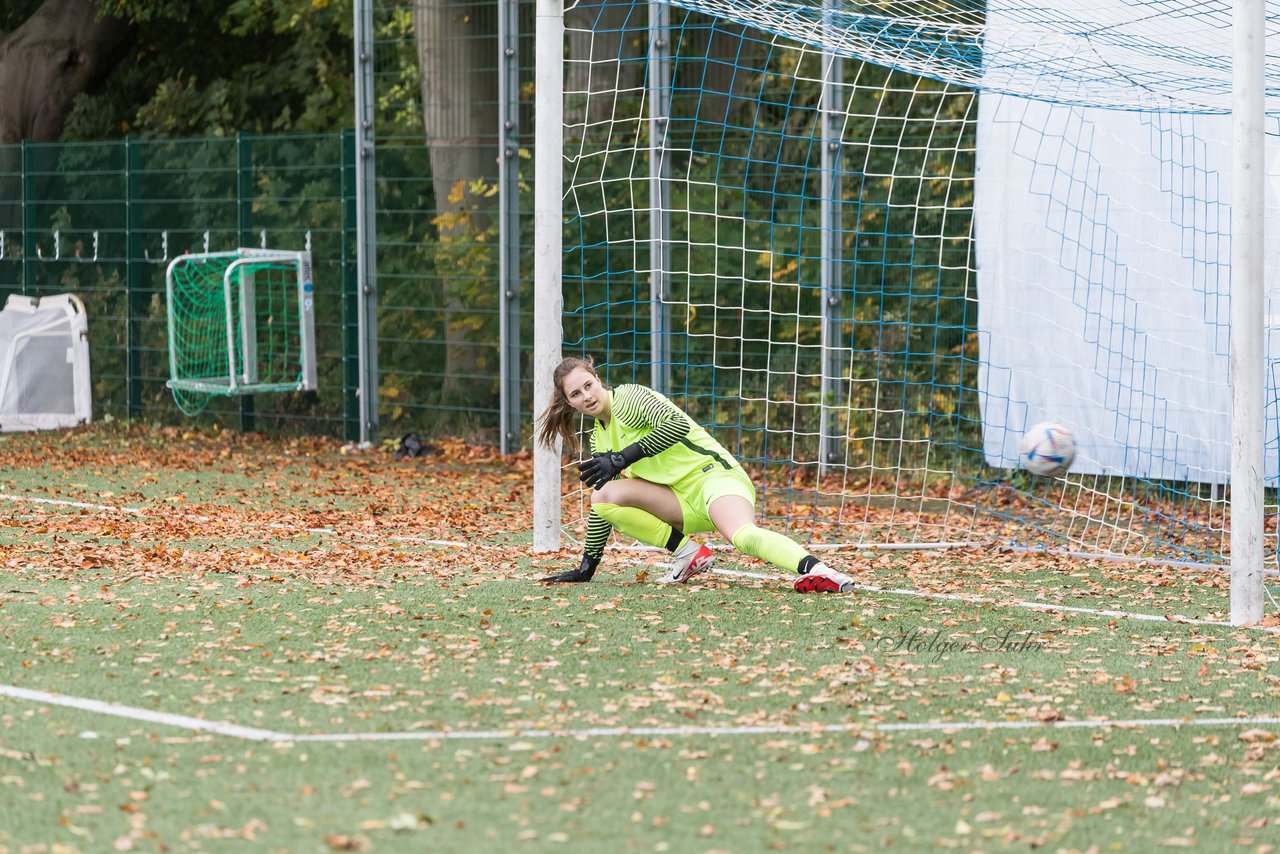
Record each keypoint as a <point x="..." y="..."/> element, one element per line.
<point x="1047" y="449"/>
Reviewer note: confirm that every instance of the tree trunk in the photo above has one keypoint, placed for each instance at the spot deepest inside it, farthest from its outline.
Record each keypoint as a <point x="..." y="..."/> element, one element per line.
<point x="57" y="53"/>
<point x="457" y="57"/>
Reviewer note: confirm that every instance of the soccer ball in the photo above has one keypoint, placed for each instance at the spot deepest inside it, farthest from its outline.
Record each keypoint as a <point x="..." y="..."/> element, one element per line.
<point x="1047" y="449"/>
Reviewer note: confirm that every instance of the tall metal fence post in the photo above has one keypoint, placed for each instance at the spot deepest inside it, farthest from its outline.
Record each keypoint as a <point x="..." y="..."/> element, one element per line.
<point x="133" y="279"/>
<point x="28" y="219"/>
<point x="509" y="223"/>
<point x="660" y="194"/>
<point x="244" y="230"/>
<point x="351" y="421"/>
<point x="366" y="222"/>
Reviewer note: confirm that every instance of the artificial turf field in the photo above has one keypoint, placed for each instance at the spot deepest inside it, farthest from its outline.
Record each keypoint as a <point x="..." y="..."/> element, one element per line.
<point x="215" y="642"/>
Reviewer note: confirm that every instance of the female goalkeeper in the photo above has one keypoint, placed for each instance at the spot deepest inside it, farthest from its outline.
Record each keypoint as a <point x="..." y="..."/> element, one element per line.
<point x="679" y="481"/>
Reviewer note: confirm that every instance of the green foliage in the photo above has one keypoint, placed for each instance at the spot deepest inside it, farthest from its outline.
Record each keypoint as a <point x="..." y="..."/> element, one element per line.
<point x="398" y="94"/>
<point x="211" y="68"/>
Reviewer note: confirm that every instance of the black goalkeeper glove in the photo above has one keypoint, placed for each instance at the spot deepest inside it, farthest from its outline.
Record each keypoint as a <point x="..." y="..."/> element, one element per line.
<point x="582" y="573"/>
<point x="605" y="466"/>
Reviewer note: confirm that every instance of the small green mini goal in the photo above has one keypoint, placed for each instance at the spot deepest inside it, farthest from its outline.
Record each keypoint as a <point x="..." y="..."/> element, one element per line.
<point x="240" y="322"/>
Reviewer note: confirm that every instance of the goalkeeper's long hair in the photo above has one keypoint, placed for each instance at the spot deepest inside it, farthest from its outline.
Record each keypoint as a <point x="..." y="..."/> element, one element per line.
<point x="559" y="418"/>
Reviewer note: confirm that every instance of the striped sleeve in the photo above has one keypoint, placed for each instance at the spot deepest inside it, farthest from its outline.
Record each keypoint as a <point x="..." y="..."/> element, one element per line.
<point x="643" y="407"/>
<point x="598" y="530"/>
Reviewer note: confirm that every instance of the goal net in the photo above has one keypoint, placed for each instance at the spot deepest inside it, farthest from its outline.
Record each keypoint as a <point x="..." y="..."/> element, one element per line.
<point x="240" y="322"/>
<point x="869" y="244"/>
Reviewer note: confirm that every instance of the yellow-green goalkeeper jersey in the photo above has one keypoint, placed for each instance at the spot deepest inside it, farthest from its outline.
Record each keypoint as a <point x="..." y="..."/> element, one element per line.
<point x="674" y="445"/>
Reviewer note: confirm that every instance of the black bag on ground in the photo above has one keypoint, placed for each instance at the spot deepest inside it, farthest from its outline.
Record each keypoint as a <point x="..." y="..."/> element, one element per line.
<point x="412" y="446"/>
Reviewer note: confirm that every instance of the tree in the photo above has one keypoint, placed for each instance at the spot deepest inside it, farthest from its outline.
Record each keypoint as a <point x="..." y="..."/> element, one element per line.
<point x="457" y="59"/>
<point x="100" y="69"/>
<point x="48" y="61"/>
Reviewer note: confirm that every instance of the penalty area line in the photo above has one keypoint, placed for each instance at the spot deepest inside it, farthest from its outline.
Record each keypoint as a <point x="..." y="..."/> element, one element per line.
<point x="224" y="728"/>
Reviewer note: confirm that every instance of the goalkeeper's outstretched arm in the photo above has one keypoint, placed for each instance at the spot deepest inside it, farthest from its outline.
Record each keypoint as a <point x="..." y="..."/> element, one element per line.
<point x="598" y="529"/>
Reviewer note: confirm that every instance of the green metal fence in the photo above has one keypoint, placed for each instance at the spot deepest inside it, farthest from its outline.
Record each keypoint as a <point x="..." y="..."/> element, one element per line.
<point x="453" y="124"/>
<point x="102" y="220"/>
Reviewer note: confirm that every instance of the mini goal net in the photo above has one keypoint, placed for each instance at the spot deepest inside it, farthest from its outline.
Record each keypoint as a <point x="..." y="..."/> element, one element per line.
<point x="240" y="322"/>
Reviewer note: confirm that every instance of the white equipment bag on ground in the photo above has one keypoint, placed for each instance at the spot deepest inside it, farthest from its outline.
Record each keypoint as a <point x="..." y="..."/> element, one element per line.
<point x="44" y="363"/>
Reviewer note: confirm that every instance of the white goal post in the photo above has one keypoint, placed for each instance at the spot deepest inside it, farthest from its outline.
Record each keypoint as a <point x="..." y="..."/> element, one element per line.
<point x="1248" y="312"/>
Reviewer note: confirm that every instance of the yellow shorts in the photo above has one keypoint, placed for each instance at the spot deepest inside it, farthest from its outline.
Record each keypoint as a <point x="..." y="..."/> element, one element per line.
<point x="695" y="493"/>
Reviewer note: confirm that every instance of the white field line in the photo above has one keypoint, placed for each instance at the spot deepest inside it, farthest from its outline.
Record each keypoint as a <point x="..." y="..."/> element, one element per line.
<point x="231" y="730"/>
<point x="117" y="710"/>
<point x="29" y="499"/>
<point x="1034" y="606"/>
<point x="955" y="597"/>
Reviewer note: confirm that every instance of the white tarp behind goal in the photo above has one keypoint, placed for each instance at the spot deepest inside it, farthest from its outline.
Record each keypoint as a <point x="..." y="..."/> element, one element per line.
<point x="44" y="363"/>
<point x="1103" y="256"/>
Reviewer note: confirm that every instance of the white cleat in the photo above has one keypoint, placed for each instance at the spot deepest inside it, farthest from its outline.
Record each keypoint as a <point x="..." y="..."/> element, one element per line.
<point x="824" y="579"/>
<point x="688" y="561"/>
